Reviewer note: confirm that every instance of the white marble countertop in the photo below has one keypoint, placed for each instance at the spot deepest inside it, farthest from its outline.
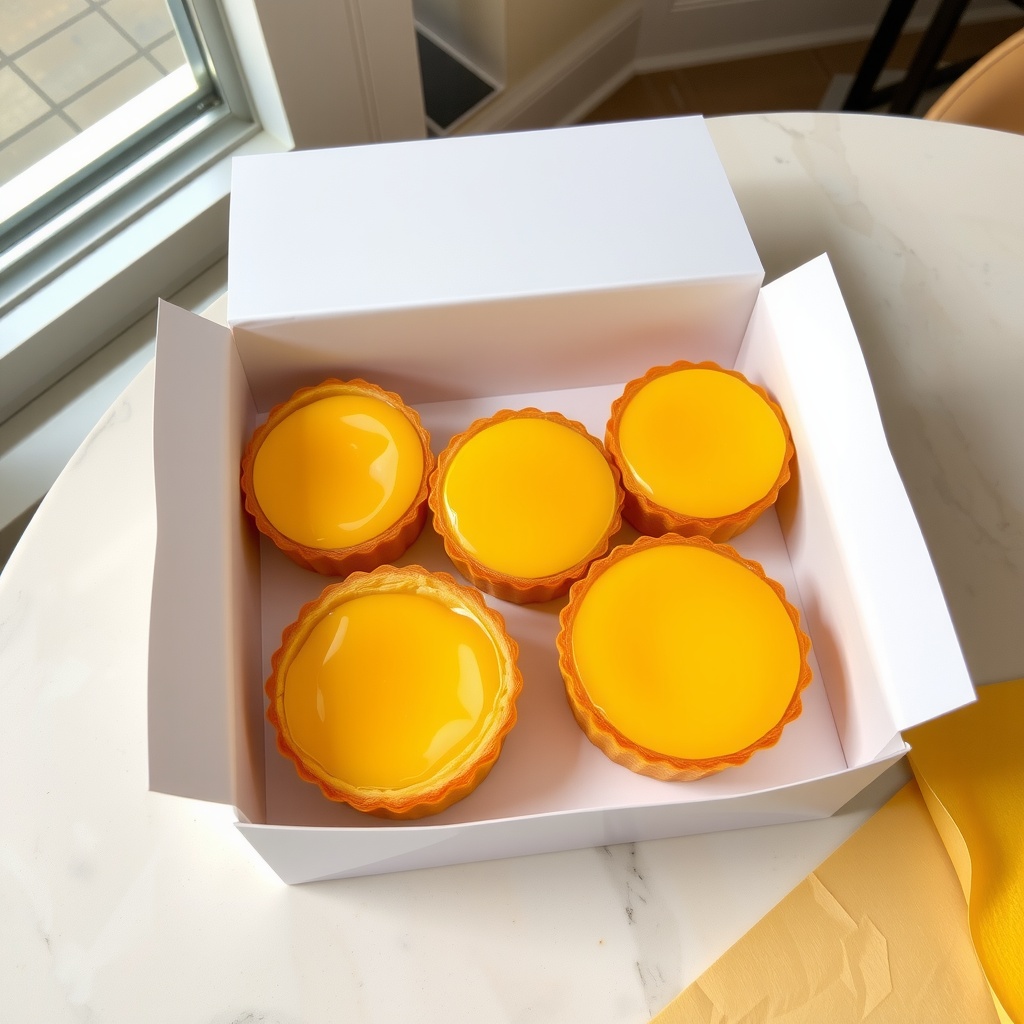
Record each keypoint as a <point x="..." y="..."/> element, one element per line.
<point x="117" y="904"/>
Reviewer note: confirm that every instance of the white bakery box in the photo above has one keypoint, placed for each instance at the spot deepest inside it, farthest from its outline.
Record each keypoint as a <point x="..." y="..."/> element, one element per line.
<point x="473" y="274"/>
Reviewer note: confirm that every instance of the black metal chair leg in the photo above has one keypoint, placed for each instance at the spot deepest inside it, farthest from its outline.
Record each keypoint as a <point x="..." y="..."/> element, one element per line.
<point x="929" y="52"/>
<point x="862" y="92"/>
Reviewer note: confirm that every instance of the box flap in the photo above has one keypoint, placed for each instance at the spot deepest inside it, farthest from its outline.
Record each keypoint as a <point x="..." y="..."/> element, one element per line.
<point x="205" y="714"/>
<point x="866" y="580"/>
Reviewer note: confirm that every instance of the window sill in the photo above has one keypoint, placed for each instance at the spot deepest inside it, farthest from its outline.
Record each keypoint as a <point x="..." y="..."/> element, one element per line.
<point x="36" y="443"/>
<point x="174" y="250"/>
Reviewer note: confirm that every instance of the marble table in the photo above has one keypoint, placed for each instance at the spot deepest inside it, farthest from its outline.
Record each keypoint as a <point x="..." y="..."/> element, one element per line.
<point x="117" y="904"/>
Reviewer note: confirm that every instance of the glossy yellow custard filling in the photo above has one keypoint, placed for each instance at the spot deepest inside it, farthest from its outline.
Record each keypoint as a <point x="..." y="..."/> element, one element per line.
<point x="702" y="443"/>
<point x="389" y="688"/>
<point x="686" y="652"/>
<point x="338" y="471"/>
<point x="529" y="497"/>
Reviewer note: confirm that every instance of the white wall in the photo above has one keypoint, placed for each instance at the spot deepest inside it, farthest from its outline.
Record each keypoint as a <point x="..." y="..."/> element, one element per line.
<point x="474" y="28"/>
<point x="511" y="39"/>
<point x="346" y="70"/>
<point x="558" y="80"/>
<point x="538" y="29"/>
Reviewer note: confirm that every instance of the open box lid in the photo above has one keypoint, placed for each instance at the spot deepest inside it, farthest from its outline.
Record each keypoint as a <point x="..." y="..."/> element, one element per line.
<point x="358" y="249"/>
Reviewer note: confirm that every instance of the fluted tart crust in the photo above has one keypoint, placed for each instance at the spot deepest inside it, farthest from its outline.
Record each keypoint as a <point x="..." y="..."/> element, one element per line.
<point x="524" y="501"/>
<point x="681" y="658"/>
<point x="702" y="450"/>
<point x="394" y="691"/>
<point x="337" y="476"/>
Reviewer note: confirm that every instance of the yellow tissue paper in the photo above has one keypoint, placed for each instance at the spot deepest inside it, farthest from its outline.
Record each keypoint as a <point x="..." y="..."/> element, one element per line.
<point x="878" y="933"/>
<point x="970" y="767"/>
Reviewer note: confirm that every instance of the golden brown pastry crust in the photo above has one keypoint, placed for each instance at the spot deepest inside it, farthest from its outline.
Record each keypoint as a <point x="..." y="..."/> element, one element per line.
<point x="646" y="515"/>
<point x="615" y="744"/>
<point x="386" y="546"/>
<point x="516" y="589"/>
<point x="467" y="771"/>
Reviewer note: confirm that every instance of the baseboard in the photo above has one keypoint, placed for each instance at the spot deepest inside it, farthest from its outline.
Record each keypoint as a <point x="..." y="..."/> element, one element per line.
<point x="750" y="48"/>
<point x="574" y="81"/>
<point x="763" y="46"/>
<point x="598" y="95"/>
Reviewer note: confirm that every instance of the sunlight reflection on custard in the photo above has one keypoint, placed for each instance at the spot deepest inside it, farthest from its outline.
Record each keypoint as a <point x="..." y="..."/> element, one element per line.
<point x="338" y="471"/>
<point x="701" y="442"/>
<point x="529" y="497"/>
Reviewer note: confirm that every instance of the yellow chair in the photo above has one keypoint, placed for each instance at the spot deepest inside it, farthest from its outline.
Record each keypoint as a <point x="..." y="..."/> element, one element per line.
<point x="991" y="93"/>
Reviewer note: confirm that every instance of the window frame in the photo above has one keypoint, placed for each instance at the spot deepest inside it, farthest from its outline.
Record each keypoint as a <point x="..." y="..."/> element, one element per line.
<point x="120" y="163"/>
<point x="80" y="254"/>
<point x="316" y="73"/>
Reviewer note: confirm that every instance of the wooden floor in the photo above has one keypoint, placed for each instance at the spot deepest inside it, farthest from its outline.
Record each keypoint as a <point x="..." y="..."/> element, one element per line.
<point x="799" y="80"/>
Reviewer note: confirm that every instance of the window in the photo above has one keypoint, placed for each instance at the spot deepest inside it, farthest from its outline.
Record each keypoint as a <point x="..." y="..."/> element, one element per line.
<point x="111" y="107"/>
<point x="87" y="88"/>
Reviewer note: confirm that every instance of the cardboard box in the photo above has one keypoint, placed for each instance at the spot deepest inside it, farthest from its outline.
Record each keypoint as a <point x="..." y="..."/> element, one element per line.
<point x="474" y="274"/>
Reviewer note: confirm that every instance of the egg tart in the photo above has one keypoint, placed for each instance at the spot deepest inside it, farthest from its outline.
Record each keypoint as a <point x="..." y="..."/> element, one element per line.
<point x="525" y="500"/>
<point x="394" y="691"/>
<point x="681" y="658"/>
<point x="337" y="476"/>
<point x="702" y="451"/>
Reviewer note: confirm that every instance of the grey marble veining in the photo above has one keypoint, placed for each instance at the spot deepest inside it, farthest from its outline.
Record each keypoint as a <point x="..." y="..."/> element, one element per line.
<point x="925" y="229"/>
